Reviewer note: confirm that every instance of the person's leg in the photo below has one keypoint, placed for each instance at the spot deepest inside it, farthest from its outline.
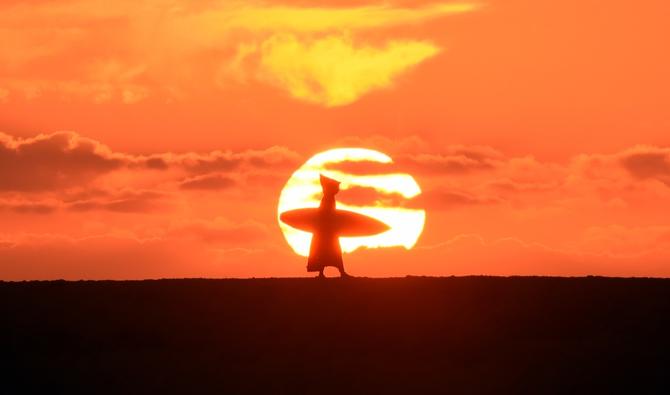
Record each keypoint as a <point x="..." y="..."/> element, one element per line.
<point x="321" y="273"/>
<point x="342" y="272"/>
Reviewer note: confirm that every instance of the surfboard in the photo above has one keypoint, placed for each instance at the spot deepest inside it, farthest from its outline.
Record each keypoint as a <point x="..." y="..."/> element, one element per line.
<point x="345" y="223"/>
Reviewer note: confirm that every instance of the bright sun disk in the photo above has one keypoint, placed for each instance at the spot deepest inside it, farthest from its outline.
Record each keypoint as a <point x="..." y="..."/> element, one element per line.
<point x="303" y="190"/>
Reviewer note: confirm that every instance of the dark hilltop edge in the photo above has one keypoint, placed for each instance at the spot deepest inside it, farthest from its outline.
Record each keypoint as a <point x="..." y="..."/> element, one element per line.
<point x="417" y="335"/>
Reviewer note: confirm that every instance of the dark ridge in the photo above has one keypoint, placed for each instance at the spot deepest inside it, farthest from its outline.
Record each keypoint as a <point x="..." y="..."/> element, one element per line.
<point x="409" y="335"/>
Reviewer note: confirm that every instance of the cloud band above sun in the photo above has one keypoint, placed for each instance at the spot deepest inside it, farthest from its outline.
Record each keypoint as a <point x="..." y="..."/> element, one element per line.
<point x="338" y="68"/>
<point x="334" y="71"/>
<point x="320" y="55"/>
<point x="320" y="19"/>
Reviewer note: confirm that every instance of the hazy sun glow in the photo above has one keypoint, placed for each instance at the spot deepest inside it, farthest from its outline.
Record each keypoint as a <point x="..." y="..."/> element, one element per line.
<point x="303" y="190"/>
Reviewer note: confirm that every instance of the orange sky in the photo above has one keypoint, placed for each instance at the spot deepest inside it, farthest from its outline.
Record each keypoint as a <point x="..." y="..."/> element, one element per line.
<point x="145" y="139"/>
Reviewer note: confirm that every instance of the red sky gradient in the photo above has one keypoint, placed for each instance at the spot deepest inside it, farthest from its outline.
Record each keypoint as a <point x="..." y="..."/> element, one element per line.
<point x="145" y="139"/>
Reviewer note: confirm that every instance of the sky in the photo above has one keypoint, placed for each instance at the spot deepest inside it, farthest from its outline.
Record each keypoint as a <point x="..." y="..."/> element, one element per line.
<point x="151" y="139"/>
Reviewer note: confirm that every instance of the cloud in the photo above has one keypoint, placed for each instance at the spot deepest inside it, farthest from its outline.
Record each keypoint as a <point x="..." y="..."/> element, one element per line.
<point x="447" y="199"/>
<point x="320" y="19"/>
<point x="456" y="160"/>
<point x="367" y="196"/>
<point x="333" y="70"/>
<point x="221" y="231"/>
<point x="216" y="161"/>
<point x="336" y="68"/>
<point x="647" y="162"/>
<point x="67" y="160"/>
<point x="510" y="186"/>
<point x="166" y="48"/>
<point x="432" y="200"/>
<point x="591" y="214"/>
<point x="208" y="181"/>
<point x="361" y="167"/>
<point x="28" y="207"/>
<point x="394" y="146"/>
<point x="52" y="161"/>
<point x="640" y="166"/>
<point x="125" y="202"/>
<point x="418" y="156"/>
<point x="117" y="201"/>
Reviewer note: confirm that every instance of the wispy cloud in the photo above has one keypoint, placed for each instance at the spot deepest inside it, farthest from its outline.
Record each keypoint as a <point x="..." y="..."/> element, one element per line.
<point x="320" y="55"/>
<point x="320" y="19"/>
<point x="333" y="70"/>
<point x="62" y="160"/>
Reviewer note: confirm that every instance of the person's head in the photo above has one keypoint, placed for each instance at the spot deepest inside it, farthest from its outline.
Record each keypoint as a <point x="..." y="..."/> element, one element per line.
<point x="329" y="186"/>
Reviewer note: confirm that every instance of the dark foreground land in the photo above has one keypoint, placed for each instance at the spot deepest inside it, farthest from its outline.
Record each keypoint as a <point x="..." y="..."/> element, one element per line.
<point x="358" y="336"/>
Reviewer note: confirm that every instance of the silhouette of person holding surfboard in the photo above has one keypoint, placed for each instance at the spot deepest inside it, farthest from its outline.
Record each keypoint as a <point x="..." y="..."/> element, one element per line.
<point x="327" y="224"/>
<point x="325" y="248"/>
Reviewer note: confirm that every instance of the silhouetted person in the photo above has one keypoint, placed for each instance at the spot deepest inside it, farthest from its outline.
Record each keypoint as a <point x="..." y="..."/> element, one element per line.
<point x="325" y="247"/>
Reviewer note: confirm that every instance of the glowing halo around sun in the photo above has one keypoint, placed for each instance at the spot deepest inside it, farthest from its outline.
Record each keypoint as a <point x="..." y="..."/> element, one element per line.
<point x="303" y="190"/>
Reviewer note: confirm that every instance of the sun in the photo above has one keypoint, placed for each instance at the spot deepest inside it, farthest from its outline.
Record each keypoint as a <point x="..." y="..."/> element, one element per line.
<point x="303" y="190"/>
